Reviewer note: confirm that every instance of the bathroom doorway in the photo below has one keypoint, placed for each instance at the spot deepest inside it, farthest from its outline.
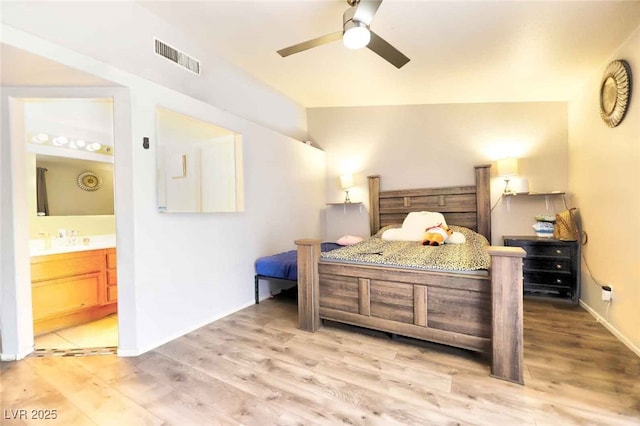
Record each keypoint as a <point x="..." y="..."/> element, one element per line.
<point x="69" y="155"/>
<point x="28" y="75"/>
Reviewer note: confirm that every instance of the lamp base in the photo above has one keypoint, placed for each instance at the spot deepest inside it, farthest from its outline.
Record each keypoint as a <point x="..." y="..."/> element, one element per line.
<point x="346" y="196"/>
<point x="507" y="189"/>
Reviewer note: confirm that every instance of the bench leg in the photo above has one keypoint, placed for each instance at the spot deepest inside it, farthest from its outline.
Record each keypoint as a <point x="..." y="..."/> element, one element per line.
<point x="257" y="279"/>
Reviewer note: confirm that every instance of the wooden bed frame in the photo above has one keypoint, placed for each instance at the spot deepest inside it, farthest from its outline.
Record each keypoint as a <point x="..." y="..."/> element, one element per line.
<point x="472" y="311"/>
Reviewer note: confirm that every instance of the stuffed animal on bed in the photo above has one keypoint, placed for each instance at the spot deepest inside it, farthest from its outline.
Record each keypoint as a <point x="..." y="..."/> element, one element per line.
<point x="436" y="235"/>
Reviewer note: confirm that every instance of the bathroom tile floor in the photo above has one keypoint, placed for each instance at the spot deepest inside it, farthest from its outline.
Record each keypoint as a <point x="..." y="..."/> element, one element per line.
<point x="96" y="334"/>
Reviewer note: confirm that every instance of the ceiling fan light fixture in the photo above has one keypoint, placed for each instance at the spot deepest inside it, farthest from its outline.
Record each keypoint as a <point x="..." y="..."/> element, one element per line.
<point x="356" y="35"/>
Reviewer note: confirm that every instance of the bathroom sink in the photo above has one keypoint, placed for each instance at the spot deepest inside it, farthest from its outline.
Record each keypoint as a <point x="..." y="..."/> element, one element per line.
<point x="61" y="245"/>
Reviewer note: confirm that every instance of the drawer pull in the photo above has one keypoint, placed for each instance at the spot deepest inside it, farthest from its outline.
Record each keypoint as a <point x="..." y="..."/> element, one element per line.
<point x="558" y="281"/>
<point x="558" y="251"/>
<point x="558" y="266"/>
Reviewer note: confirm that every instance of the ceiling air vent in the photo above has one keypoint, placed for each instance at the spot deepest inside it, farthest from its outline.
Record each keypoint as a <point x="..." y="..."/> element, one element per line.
<point x="177" y="56"/>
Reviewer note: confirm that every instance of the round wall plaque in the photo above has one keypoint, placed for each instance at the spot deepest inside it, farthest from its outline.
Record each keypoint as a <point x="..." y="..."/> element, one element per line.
<point x="615" y="92"/>
<point x="89" y="181"/>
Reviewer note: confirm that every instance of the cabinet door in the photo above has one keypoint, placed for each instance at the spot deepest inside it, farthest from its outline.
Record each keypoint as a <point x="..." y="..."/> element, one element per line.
<point x="58" y="297"/>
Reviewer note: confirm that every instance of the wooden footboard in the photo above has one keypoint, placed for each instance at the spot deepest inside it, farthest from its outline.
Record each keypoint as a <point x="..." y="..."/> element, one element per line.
<point x="477" y="312"/>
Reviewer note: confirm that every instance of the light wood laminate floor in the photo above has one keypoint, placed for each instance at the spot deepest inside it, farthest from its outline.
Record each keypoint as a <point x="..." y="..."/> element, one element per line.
<point x="255" y="367"/>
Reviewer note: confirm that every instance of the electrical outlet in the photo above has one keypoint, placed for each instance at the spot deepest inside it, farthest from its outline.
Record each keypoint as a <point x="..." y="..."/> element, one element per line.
<point x="606" y="293"/>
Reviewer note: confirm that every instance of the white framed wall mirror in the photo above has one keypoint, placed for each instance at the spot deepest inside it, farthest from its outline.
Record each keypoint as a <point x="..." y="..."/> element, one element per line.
<point x="199" y="165"/>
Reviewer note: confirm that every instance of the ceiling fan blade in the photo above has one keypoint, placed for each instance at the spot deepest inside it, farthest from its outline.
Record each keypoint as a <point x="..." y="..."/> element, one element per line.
<point x="305" y="45"/>
<point x="365" y="11"/>
<point x="387" y="51"/>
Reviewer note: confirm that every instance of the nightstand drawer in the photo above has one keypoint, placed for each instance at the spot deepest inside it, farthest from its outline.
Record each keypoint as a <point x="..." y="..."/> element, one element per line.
<point x="549" y="250"/>
<point x="533" y="249"/>
<point x="536" y="289"/>
<point x="548" y="278"/>
<point x="547" y="264"/>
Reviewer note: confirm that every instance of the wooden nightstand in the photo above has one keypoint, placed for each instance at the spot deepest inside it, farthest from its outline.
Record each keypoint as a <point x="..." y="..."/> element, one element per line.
<point x="551" y="267"/>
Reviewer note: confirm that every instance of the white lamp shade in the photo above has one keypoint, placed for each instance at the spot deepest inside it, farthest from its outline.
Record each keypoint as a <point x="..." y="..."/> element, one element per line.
<point x="346" y="181"/>
<point x="507" y="167"/>
<point x="519" y="185"/>
<point x="356" y="37"/>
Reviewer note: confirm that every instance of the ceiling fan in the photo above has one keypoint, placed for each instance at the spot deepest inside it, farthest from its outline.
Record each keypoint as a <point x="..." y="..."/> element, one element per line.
<point x="355" y="34"/>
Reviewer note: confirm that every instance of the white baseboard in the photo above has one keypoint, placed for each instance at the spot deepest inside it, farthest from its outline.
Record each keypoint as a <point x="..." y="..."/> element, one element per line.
<point x="15" y="357"/>
<point x="611" y="328"/>
<point x="128" y="352"/>
<point x="139" y="351"/>
<point x="8" y="357"/>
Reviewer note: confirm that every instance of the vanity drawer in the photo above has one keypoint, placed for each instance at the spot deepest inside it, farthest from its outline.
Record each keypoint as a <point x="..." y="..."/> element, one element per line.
<point x="112" y="294"/>
<point x="66" y="265"/>
<point x="112" y="259"/>
<point x="112" y="278"/>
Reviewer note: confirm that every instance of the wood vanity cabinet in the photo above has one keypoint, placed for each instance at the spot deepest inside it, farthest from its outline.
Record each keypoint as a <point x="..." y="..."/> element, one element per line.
<point x="72" y="288"/>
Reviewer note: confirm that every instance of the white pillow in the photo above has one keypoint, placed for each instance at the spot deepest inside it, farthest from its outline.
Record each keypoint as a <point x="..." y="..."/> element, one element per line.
<point x="400" y="234"/>
<point x="423" y="220"/>
<point x="456" y="238"/>
<point x="414" y="226"/>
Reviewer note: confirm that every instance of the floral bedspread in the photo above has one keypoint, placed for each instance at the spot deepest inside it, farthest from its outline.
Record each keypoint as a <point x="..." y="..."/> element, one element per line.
<point x="470" y="256"/>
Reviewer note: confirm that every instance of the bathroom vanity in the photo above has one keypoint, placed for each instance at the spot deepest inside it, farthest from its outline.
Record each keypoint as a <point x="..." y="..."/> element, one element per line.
<point x="73" y="287"/>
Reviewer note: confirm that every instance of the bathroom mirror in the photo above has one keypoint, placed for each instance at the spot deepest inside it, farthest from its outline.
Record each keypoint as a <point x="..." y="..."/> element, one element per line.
<point x="64" y="139"/>
<point x="70" y="187"/>
<point x="199" y="165"/>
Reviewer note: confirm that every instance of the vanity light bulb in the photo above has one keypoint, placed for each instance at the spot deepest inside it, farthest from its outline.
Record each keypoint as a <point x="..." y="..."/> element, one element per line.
<point x="60" y="140"/>
<point x="80" y="143"/>
<point x="40" y="138"/>
<point x="93" y="147"/>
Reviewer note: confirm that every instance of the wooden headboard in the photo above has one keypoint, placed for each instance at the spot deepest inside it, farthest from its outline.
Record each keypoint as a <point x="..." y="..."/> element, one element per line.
<point x="468" y="206"/>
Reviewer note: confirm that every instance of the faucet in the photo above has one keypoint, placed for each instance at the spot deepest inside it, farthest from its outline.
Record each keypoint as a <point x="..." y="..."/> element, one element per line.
<point x="73" y="236"/>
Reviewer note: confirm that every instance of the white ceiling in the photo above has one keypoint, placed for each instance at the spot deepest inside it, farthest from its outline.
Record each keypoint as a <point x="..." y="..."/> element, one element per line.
<point x="460" y="51"/>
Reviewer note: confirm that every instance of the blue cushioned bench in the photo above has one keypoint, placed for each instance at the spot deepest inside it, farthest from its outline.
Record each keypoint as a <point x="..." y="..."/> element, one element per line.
<point x="282" y="266"/>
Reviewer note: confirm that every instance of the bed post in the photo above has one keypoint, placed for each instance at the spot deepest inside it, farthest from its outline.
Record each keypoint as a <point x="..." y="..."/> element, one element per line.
<point x="506" y="320"/>
<point x="308" y="284"/>
<point x="374" y="203"/>
<point x="483" y="200"/>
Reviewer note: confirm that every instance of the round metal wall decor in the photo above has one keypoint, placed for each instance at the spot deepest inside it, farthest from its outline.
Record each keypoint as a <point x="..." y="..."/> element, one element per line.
<point x="89" y="181"/>
<point x="615" y="92"/>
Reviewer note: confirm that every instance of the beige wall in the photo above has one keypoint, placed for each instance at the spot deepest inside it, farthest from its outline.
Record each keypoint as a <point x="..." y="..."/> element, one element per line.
<point x="438" y="145"/>
<point x="604" y="173"/>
